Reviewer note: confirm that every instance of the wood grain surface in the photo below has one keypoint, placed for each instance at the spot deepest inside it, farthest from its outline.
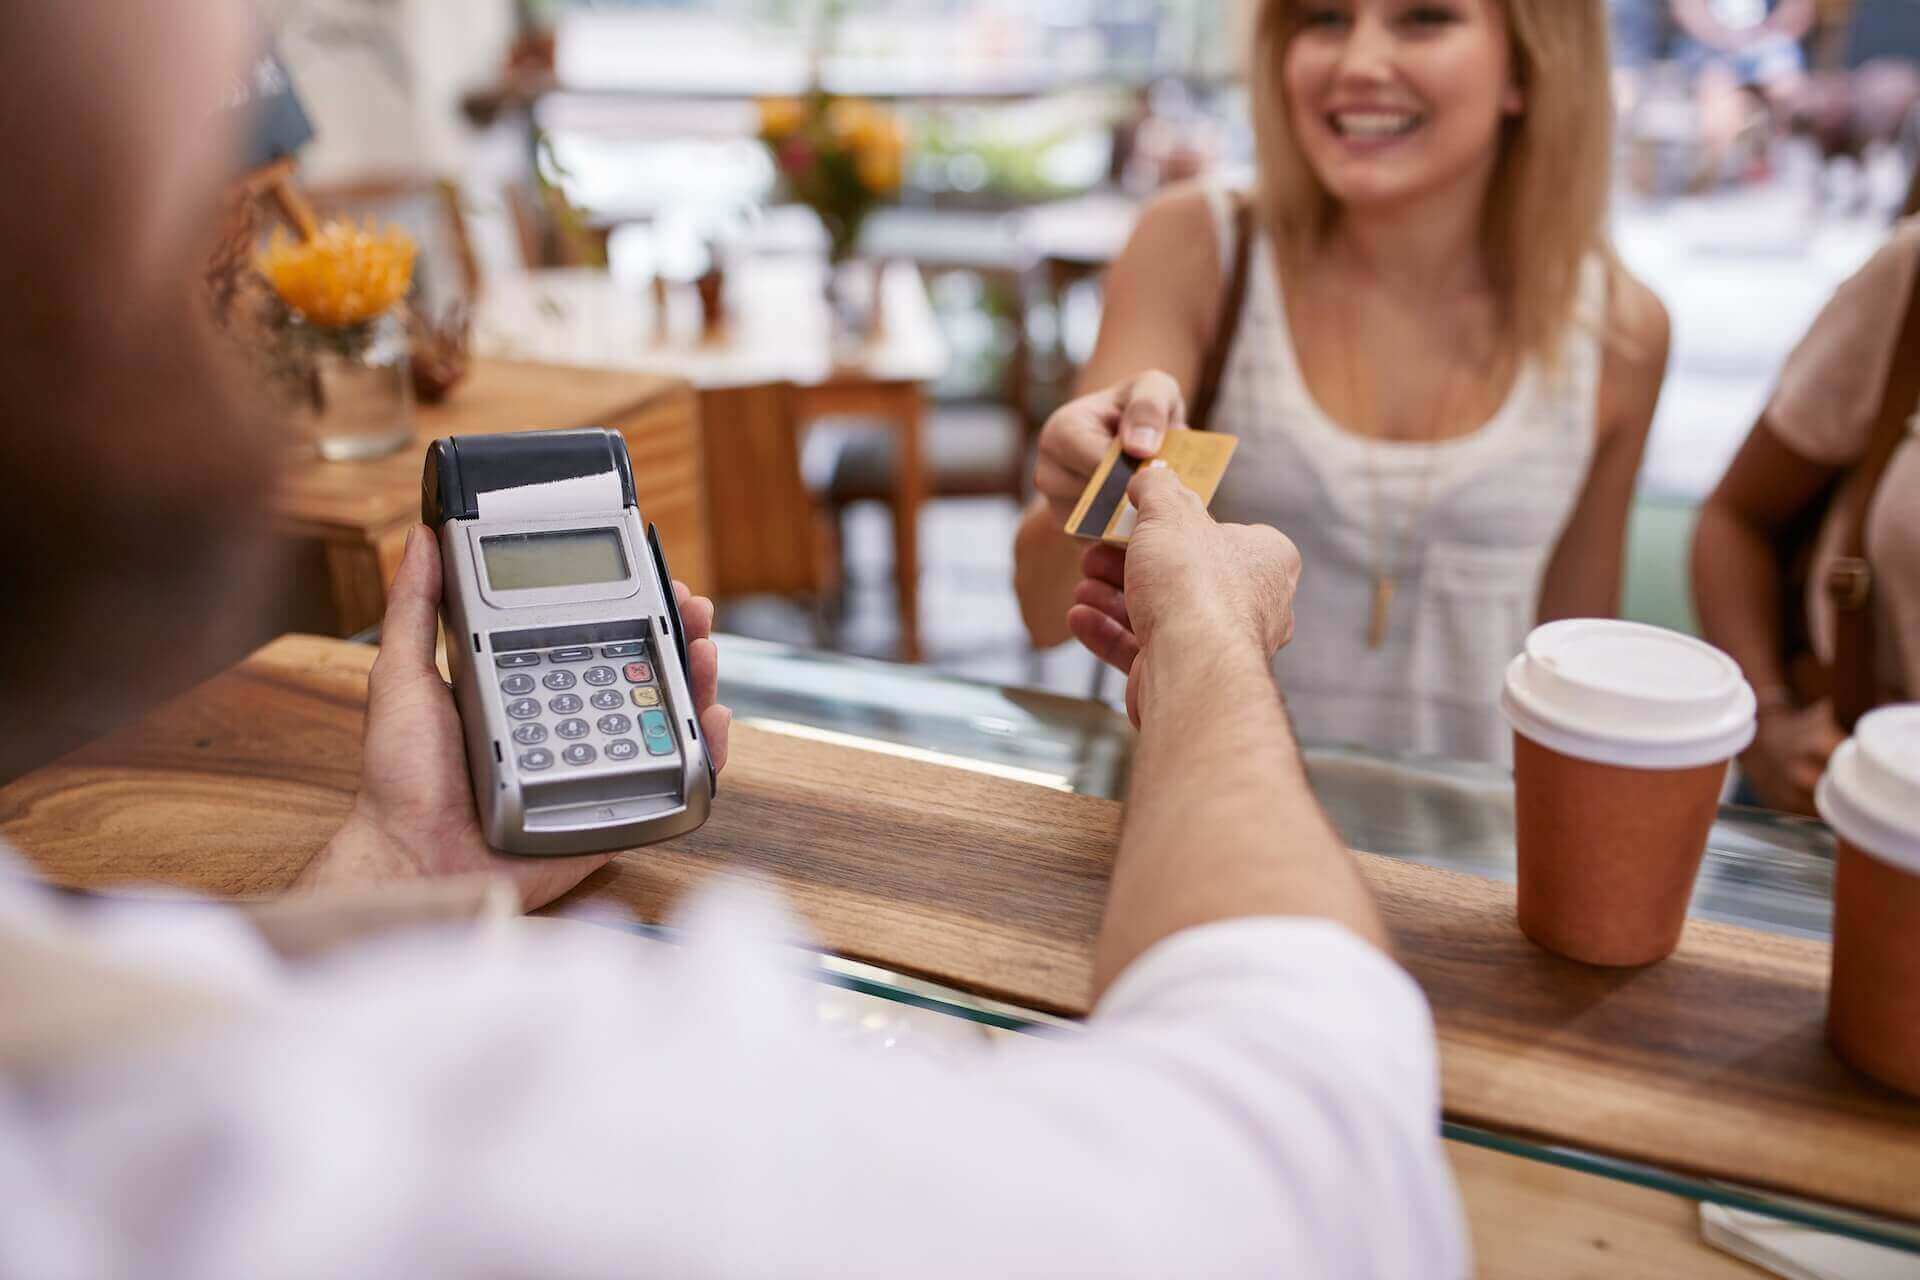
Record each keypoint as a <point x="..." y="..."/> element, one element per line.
<point x="1712" y="1063"/>
<point x="1532" y="1221"/>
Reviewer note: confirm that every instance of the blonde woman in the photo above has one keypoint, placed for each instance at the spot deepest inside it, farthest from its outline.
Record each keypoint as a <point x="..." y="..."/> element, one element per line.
<point x="1440" y="377"/>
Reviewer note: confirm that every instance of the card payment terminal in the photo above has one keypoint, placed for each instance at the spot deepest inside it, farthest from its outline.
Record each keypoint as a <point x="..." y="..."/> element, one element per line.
<point x="569" y="661"/>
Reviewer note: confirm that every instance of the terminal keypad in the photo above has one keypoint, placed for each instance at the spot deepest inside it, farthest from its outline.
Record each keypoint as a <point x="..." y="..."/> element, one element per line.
<point x="624" y="680"/>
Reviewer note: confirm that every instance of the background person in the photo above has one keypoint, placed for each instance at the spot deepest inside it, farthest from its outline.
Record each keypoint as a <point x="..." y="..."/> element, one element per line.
<point x="1818" y="426"/>
<point x="1441" y="380"/>
<point x="1747" y="67"/>
<point x="1257" y="1091"/>
<point x="1641" y="31"/>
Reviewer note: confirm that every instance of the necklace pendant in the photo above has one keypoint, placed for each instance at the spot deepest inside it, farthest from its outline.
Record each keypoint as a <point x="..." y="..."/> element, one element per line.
<point x="1382" y="601"/>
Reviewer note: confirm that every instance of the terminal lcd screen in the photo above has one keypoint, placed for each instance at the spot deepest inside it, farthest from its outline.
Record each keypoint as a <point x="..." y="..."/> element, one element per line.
<point x="574" y="558"/>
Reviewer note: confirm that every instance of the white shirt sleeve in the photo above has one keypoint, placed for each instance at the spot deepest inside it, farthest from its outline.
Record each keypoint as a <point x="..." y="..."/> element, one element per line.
<point x="1253" y="1098"/>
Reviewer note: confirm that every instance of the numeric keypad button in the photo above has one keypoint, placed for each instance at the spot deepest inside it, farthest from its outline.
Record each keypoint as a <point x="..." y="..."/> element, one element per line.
<point x="606" y="700"/>
<point x="622" y="749"/>
<point x="565" y="705"/>
<point x="579" y="753"/>
<point x="517" y="684"/>
<point x="601" y="677"/>
<point x="571" y="729"/>
<point x="659" y="738"/>
<point x="613" y="726"/>
<point x="538" y="758"/>
<point x="523" y="709"/>
<point x="530" y="735"/>
<point x="558" y="680"/>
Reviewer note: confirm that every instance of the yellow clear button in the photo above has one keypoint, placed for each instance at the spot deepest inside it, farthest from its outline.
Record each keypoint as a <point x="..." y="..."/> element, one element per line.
<point x="646" y="697"/>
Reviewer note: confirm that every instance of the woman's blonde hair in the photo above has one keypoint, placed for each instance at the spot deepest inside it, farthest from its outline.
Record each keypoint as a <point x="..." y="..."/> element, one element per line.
<point x="1547" y="204"/>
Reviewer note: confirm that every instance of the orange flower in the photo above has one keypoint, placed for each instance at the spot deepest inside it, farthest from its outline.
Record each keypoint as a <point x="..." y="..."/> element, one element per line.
<point x="850" y="119"/>
<point x="781" y="117"/>
<point x="345" y="275"/>
<point x="879" y="167"/>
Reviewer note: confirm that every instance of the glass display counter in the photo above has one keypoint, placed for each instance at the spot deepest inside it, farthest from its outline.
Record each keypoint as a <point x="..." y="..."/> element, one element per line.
<point x="1763" y="871"/>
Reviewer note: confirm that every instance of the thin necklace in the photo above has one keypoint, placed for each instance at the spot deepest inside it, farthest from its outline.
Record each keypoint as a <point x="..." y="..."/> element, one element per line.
<point x="1389" y="561"/>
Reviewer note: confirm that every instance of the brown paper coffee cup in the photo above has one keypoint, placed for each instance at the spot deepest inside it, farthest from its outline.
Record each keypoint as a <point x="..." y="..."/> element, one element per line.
<point x="1622" y="735"/>
<point x="1608" y="855"/>
<point x="1873" y="1006"/>
<point x="1871" y="797"/>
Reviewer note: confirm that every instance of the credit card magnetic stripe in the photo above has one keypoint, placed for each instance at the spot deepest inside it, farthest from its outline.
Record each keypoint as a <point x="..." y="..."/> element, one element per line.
<point x="1106" y="502"/>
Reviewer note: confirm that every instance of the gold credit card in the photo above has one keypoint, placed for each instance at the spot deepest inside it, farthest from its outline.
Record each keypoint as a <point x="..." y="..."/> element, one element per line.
<point x="1199" y="458"/>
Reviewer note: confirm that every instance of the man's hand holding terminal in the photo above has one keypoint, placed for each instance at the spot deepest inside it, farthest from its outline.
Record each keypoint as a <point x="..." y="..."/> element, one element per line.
<point x="414" y="817"/>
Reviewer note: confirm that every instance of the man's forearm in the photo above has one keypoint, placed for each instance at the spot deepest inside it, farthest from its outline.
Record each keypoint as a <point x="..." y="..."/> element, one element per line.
<point x="1220" y="820"/>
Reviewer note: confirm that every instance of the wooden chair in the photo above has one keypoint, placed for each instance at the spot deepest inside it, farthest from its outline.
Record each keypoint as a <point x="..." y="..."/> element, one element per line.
<point x="965" y="455"/>
<point x="972" y="460"/>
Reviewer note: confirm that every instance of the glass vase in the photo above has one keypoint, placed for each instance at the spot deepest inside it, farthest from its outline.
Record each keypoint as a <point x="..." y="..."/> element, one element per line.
<point x="361" y="388"/>
<point x="853" y="306"/>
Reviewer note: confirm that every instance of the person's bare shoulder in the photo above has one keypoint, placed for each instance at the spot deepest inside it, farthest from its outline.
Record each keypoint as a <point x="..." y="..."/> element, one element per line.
<point x="1180" y="220"/>
<point x="1892" y="265"/>
<point x="1639" y="336"/>
<point x="1174" y="255"/>
<point x="1638" y="319"/>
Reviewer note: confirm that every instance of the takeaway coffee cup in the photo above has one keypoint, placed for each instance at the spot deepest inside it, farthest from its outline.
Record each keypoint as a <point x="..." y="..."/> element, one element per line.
<point x="1870" y="796"/>
<point x="1622" y="734"/>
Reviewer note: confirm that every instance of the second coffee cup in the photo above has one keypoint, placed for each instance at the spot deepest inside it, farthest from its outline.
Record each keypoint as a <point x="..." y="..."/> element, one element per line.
<point x="1870" y="796"/>
<point x="1622" y="736"/>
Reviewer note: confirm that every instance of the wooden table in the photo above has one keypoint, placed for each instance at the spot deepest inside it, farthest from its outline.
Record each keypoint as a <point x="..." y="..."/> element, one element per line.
<point x="1535" y="1221"/>
<point x="1711" y="1065"/>
<point x="356" y="514"/>
<point x="770" y="373"/>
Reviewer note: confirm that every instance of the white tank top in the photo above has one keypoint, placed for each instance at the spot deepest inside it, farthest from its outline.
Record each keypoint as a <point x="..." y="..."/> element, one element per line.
<point x="1470" y="523"/>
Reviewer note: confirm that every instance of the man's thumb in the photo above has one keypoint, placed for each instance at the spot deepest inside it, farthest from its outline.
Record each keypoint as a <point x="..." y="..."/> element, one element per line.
<point x="410" y="633"/>
<point x="1158" y="494"/>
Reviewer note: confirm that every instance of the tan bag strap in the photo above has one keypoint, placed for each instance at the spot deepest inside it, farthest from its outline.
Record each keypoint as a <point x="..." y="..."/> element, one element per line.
<point x="1849" y="581"/>
<point x="1227" y="327"/>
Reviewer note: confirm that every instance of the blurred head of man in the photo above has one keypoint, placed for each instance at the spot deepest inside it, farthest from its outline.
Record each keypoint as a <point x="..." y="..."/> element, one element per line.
<point x="132" y="475"/>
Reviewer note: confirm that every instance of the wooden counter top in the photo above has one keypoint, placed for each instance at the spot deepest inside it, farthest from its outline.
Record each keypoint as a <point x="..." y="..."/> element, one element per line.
<point x="1711" y="1064"/>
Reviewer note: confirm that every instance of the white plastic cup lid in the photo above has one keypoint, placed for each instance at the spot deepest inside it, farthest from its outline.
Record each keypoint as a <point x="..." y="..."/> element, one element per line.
<point x="1627" y="694"/>
<point x="1870" y="793"/>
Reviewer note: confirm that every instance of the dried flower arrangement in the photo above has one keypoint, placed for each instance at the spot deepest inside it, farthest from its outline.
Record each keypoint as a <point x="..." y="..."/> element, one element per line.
<point x="342" y="278"/>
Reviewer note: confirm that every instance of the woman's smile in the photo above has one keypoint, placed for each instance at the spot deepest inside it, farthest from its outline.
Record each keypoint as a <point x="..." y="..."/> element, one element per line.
<point x="1373" y="128"/>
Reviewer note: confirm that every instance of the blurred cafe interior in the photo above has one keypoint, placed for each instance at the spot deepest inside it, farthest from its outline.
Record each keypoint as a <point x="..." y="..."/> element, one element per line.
<point x="1545" y="372"/>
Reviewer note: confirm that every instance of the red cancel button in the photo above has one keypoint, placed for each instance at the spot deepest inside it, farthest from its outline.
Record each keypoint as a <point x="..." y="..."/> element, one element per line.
<point x="639" y="672"/>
